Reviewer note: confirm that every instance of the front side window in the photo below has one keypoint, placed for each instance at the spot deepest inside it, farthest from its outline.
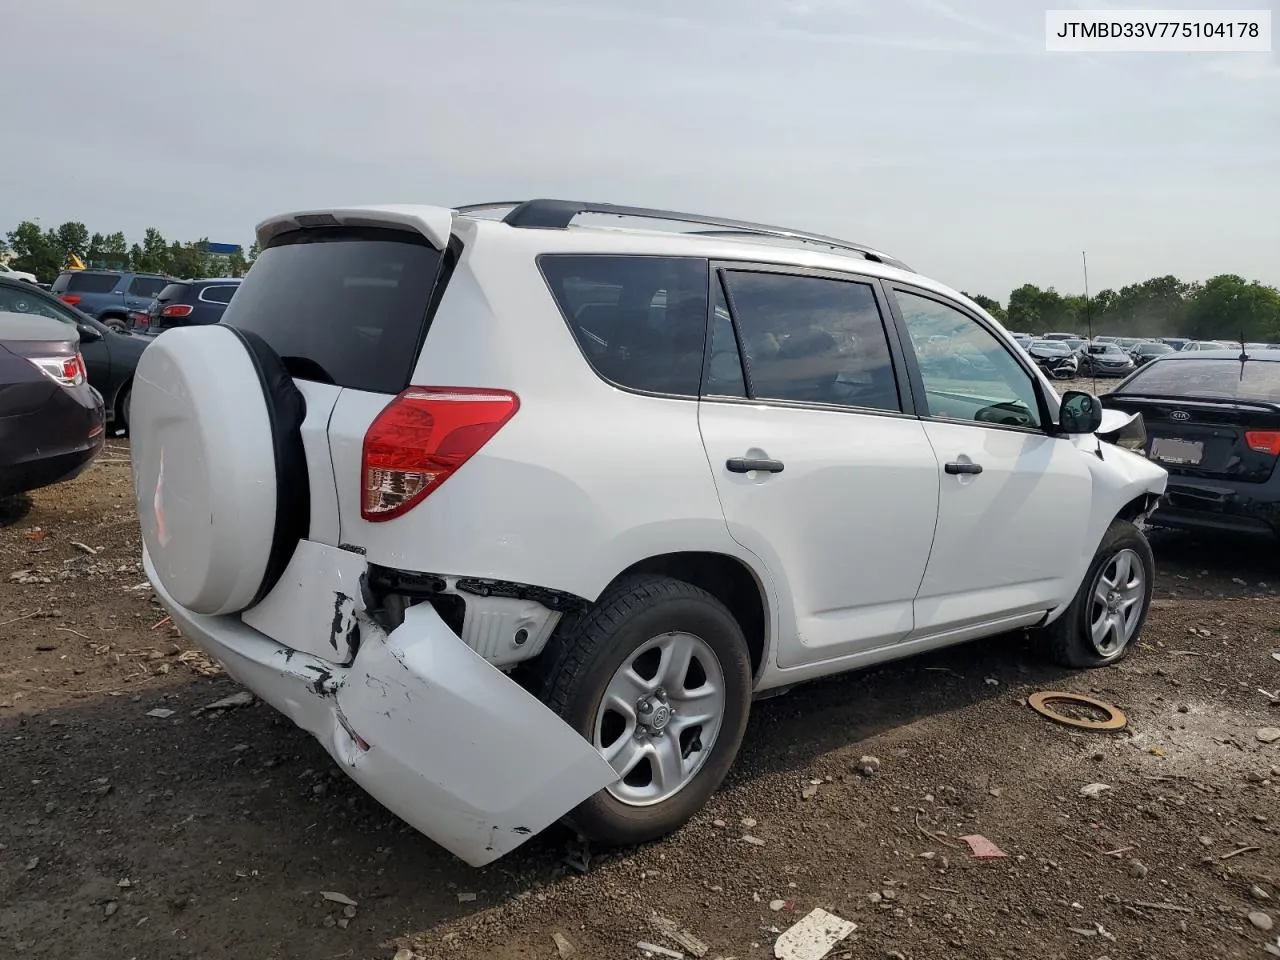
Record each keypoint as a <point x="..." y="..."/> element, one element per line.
<point x="812" y="340"/>
<point x="146" y="286"/>
<point x="640" y="321"/>
<point x="968" y="373"/>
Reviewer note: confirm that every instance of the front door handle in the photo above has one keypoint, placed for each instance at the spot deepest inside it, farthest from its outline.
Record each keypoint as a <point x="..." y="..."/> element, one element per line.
<point x="963" y="468"/>
<point x="747" y="464"/>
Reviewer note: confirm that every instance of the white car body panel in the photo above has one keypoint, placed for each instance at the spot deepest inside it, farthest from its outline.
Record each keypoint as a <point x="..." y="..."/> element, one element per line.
<point x="447" y="734"/>
<point x="1002" y="533"/>
<point x="844" y="530"/>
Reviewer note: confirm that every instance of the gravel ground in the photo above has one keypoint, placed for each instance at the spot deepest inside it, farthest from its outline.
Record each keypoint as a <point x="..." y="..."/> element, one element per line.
<point x="128" y="831"/>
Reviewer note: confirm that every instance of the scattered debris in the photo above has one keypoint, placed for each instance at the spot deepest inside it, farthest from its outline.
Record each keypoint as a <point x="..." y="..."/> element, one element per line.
<point x="83" y="547"/>
<point x="404" y="953"/>
<point x="754" y="841"/>
<point x="991" y="681"/>
<point x="563" y="947"/>
<point x="653" y="948"/>
<point x="1044" y="703"/>
<point x="983" y="849"/>
<point x="678" y="935"/>
<point x="1234" y="853"/>
<point x="1258" y="893"/>
<point x="341" y="898"/>
<point x="1261" y="920"/>
<point x="809" y="792"/>
<point x="1269" y="734"/>
<point x="776" y="905"/>
<point x="1097" y="930"/>
<point x="813" y="937"/>
<point x="111" y="907"/>
<point x="32" y="863"/>
<point x="1137" y="869"/>
<point x="466" y="898"/>
<point x="242" y="699"/>
<point x="868" y="766"/>
<point x="160" y="713"/>
<point x="1094" y="790"/>
<point x="160" y="623"/>
<point x="748" y="822"/>
<point x="124" y="884"/>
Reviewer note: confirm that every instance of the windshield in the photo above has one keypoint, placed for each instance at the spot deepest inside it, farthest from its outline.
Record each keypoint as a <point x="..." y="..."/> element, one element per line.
<point x="1109" y="349"/>
<point x="1208" y="377"/>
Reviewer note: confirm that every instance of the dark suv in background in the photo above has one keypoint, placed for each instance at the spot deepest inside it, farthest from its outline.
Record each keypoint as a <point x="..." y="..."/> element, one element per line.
<point x="108" y="295"/>
<point x="186" y="303"/>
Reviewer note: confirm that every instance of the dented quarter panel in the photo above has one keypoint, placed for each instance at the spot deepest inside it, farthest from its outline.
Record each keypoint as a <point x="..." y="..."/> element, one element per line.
<point x="454" y="747"/>
<point x="314" y="606"/>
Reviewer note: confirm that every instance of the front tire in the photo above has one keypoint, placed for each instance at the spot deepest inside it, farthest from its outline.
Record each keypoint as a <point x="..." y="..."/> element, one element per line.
<point x="658" y="677"/>
<point x="1105" y="619"/>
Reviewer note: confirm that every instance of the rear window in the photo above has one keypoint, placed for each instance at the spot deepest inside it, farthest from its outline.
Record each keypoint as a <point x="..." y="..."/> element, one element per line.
<point x="173" y="291"/>
<point x="342" y="306"/>
<point x="1186" y="377"/>
<point x="147" y="286"/>
<point x="90" y="282"/>
<point x="218" y="294"/>
<point x="641" y="321"/>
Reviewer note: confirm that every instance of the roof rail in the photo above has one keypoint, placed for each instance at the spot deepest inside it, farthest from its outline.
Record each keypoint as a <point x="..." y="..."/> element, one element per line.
<point x="556" y="214"/>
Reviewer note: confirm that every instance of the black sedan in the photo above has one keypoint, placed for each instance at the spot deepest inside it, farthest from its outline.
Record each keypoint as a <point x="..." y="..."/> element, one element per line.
<point x="51" y="419"/>
<point x="109" y="356"/>
<point x="1212" y="419"/>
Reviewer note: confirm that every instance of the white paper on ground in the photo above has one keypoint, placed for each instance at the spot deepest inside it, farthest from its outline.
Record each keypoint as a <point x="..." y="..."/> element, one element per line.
<point x="813" y="937"/>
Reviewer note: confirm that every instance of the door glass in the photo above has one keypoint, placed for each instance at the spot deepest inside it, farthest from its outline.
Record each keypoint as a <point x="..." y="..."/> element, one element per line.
<point x="813" y="340"/>
<point x="724" y="370"/>
<point x="968" y="373"/>
<point x="146" y="286"/>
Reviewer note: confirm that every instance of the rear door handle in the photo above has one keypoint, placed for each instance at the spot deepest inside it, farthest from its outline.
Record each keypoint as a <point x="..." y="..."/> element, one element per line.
<point x="963" y="468"/>
<point x="747" y="464"/>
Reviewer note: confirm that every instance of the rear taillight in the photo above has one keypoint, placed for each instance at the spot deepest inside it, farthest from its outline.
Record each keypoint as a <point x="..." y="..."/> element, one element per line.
<point x="68" y="371"/>
<point x="1264" y="441"/>
<point x="71" y="298"/>
<point x="421" y="438"/>
<point x="176" y="310"/>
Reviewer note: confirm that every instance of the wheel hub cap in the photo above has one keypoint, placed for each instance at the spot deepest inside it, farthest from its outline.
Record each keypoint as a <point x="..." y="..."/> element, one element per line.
<point x="659" y="717"/>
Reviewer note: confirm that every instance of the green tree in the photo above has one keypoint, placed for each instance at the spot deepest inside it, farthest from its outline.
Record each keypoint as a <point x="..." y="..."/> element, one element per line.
<point x="254" y="251"/>
<point x="73" y="237"/>
<point x="189" y="260"/>
<point x="94" y="253"/>
<point x="35" y="251"/>
<point x="1229" y="308"/>
<point x="989" y="304"/>
<point x="237" y="265"/>
<point x="153" y="256"/>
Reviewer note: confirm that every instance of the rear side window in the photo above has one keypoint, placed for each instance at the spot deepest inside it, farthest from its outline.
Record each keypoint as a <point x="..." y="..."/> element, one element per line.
<point x="218" y="294"/>
<point x="812" y="340"/>
<point x="640" y="321"/>
<point x="91" y="282"/>
<point x="146" y="286"/>
<point x="342" y="306"/>
<point x="1204" y="377"/>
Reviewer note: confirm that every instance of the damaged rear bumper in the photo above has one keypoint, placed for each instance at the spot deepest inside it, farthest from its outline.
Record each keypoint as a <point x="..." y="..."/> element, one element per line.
<point x="426" y="726"/>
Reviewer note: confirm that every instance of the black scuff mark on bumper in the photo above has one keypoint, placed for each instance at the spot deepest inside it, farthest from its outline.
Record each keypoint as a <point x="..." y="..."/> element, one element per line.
<point x="343" y="619"/>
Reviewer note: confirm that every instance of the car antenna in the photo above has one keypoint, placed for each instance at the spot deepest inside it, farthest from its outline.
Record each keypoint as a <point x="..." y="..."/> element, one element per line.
<point x="1244" y="356"/>
<point x="1088" y="318"/>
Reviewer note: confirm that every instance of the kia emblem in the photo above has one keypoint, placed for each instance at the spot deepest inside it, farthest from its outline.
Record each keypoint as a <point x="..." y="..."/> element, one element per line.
<point x="1179" y="415"/>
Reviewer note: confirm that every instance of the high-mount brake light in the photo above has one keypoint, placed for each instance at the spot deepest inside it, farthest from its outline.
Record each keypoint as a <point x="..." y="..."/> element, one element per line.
<point x="421" y="438"/>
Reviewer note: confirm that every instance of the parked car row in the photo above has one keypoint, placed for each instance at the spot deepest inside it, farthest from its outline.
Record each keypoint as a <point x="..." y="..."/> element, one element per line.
<point x="144" y="302"/>
<point x="1111" y="356"/>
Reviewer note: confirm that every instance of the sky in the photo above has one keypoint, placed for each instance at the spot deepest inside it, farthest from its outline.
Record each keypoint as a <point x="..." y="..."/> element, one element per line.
<point x="939" y="131"/>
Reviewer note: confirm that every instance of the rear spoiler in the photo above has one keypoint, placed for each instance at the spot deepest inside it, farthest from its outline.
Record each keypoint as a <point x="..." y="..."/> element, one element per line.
<point x="434" y="223"/>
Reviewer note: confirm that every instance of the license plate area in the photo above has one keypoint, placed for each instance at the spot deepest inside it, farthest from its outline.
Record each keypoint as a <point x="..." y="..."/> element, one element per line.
<point x="1173" y="450"/>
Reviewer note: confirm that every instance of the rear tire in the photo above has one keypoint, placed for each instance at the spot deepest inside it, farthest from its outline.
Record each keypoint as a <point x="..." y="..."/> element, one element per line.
<point x="614" y="674"/>
<point x="116" y="324"/>
<point x="1105" y="620"/>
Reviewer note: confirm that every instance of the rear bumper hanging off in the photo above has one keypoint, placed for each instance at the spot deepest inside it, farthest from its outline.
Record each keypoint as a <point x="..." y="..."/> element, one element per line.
<point x="431" y="730"/>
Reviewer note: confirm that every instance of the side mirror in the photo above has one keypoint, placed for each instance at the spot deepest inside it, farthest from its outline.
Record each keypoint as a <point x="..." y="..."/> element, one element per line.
<point x="88" y="334"/>
<point x="1079" y="413"/>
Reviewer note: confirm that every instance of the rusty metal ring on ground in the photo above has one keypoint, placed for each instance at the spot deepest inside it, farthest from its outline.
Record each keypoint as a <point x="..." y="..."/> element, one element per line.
<point x="1042" y="702"/>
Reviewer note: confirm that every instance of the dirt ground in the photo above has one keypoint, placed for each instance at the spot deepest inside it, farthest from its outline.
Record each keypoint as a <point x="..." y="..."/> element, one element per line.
<point x="127" y="834"/>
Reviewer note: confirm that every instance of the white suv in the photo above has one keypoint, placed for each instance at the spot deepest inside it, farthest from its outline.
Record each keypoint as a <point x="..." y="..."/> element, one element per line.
<point x="517" y="513"/>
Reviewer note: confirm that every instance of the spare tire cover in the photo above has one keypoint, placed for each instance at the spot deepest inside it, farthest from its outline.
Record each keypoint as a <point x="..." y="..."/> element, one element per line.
<point x="213" y="433"/>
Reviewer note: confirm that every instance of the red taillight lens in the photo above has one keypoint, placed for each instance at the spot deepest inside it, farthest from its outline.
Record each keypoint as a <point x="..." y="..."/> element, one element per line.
<point x="71" y="298"/>
<point x="1264" y="441"/>
<point x="68" y="371"/>
<point x="176" y="310"/>
<point x="421" y="438"/>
